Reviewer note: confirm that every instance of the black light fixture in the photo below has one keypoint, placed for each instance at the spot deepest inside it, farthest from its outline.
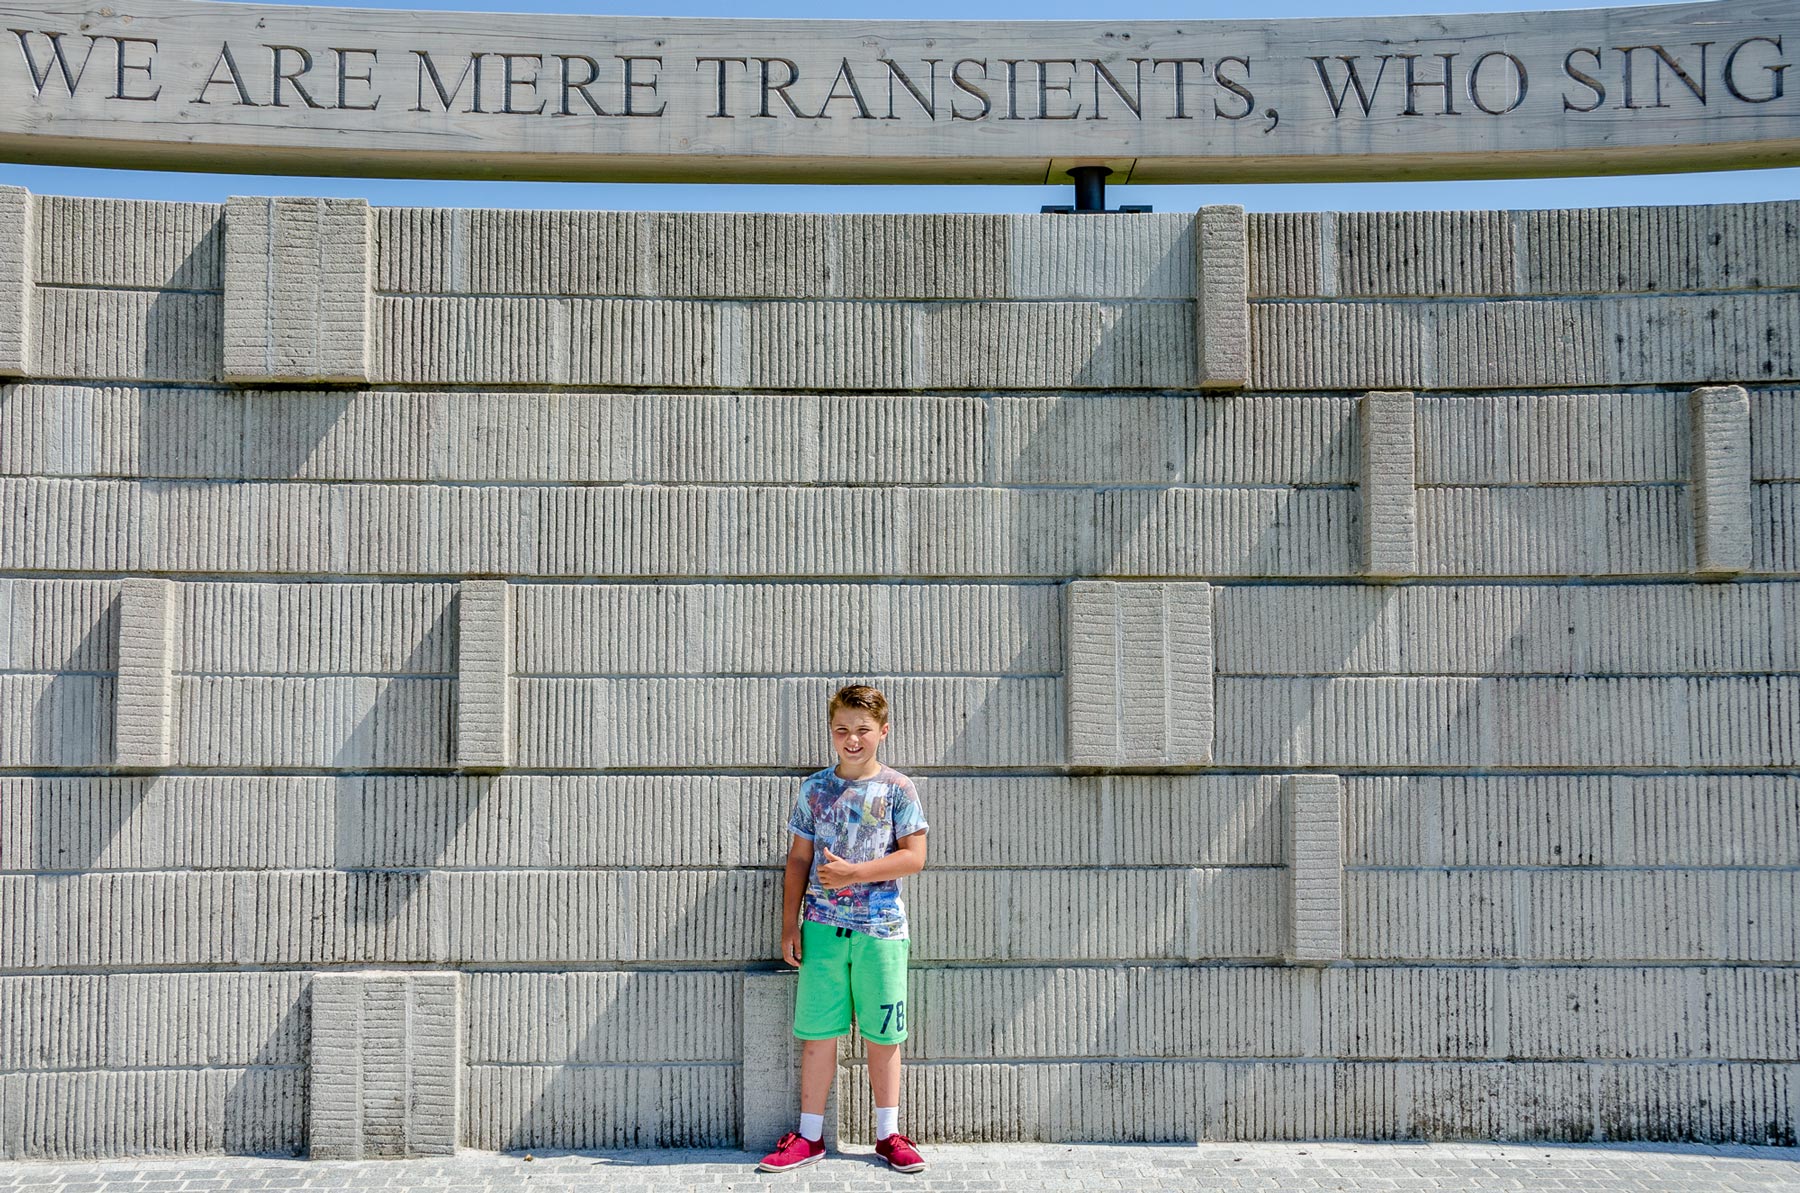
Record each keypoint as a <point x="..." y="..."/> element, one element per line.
<point x="1090" y="195"/>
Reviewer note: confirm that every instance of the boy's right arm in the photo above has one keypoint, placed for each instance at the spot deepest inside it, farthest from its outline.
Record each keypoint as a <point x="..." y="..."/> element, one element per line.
<point x="793" y="890"/>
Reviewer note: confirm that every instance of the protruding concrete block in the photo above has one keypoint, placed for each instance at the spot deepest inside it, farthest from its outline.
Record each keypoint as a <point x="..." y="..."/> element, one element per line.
<point x="484" y="667"/>
<point x="1390" y="518"/>
<point x="1719" y="431"/>
<point x="386" y="1065"/>
<point x="145" y="696"/>
<point x="18" y="278"/>
<point x="1139" y="678"/>
<point x="771" y="1073"/>
<point x="1222" y="305"/>
<point x="296" y="290"/>
<point x="1315" y="824"/>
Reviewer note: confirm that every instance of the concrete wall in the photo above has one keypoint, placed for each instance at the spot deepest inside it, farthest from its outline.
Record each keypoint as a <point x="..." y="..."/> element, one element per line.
<point x="1350" y="661"/>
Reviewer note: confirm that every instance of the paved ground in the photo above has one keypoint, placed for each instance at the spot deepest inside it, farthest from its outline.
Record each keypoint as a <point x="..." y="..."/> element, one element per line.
<point x="1191" y="1168"/>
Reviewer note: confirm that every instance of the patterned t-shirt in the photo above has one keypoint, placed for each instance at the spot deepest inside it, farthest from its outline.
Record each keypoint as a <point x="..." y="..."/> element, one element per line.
<point x="859" y="820"/>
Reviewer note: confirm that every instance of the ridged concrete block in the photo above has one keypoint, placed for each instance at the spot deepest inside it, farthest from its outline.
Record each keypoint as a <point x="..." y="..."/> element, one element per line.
<point x="1465" y="721"/>
<point x="1420" y="254"/>
<point x="1032" y="1012"/>
<point x="1315" y="867"/>
<point x="1719" y="438"/>
<point x="1602" y="437"/>
<point x="296" y="290"/>
<point x="589" y="1107"/>
<point x="605" y="1018"/>
<point x="1677" y="628"/>
<point x="1119" y="913"/>
<point x="1139" y="676"/>
<point x="1726" y="820"/>
<point x="1221" y="302"/>
<point x="770" y="1081"/>
<point x="1724" y="246"/>
<point x="484" y="675"/>
<point x="131" y="244"/>
<point x="18" y="280"/>
<point x="582" y="723"/>
<point x="787" y="628"/>
<point x="1290" y="252"/>
<point x="316" y="629"/>
<point x="1556" y="530"/>
<point x="1182" y="532"/>
<point x="348" y="722"/>
<point x="126" y="335"/>
<point x="386" y="1065"/>
<point x="1390" y="535"/>
<point x="144" y="697"/>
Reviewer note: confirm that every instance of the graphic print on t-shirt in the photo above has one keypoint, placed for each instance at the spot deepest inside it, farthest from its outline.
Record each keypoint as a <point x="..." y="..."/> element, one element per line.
<point x="858" y="820"/>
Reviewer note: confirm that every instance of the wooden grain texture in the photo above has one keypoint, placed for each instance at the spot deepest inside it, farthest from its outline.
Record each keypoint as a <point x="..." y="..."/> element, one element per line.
<point x="483" y="95"/>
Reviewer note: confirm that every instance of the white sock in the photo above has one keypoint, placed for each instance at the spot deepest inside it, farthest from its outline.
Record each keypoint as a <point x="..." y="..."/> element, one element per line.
<point x="887" y="1121"/>
<point x="812" y="1127"/>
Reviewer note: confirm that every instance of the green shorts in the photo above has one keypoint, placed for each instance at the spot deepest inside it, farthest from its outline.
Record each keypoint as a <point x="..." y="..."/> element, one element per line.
<point x="841" y="972"/>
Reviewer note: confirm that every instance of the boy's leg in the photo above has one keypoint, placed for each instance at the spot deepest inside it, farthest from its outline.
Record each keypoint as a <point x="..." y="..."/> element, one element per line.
<point x="818" y="1065"/>
<point x="884" y="1074"/>
<point x="878" y="986"/>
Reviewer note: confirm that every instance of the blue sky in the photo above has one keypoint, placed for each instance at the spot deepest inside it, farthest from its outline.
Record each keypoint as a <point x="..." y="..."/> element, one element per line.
<point x="1735" y="186"/>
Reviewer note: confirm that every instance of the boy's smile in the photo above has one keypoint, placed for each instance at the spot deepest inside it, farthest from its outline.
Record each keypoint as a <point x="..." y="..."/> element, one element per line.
<point x="856" y="736"/>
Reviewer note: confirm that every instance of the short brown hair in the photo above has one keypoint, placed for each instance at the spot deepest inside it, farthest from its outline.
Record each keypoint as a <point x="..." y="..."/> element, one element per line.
<point x="859" y="696"/>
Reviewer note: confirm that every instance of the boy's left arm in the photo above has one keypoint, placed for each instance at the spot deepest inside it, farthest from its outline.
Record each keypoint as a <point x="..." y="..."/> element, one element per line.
<point x="908" y="858"/>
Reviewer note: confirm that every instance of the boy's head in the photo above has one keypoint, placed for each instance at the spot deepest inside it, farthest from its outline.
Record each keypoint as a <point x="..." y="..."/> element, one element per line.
<point x="858" y="715"/>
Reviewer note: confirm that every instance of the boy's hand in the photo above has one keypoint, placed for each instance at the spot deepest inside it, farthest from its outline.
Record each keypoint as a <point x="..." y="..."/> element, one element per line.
<point x="790" y="946"/>
<point x="836" y="872"/>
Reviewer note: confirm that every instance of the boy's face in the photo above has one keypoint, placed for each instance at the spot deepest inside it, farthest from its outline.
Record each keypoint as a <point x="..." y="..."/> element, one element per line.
<point x="856" y="735"/>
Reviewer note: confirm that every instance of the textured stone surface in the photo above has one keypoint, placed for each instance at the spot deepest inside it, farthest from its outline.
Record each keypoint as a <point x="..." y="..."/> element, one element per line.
<point x="1315" y="858"/>
<point x="142" y="702"/>
<point x="296" y="290"/>
<point x="1719" y="422"/>
<point x="18" y="279"/>
<point x="319" y="705"/>
<point x="1140" y="674"/>
<point x="485" y="639"/>
<point x="1230" y="1167"/>
<point x="386" y="1065"/>
<point x="1390" y="530"/>
<point x="1221" y="303"/>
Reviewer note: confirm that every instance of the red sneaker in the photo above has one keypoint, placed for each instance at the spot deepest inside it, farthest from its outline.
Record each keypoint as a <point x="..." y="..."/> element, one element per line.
<point x="900" y="1153"/>
<point x="791" y="1151"/>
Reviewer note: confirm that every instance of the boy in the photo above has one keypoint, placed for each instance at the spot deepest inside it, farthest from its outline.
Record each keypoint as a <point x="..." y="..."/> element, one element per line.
<point x="857" y="830"/>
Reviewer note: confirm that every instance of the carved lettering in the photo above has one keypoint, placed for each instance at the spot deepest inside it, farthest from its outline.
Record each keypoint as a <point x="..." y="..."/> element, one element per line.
<point x="1414" y="84"/>
<point x="428" y="67"/>
<point x="926" y="105"/>
<point x="770" y="87"/>
<point x="508" y="83"/>
<point x="1132" y="100"/>
<point x="123" y="66"/>
<point x="1585" y="79"/>
<point x="277" y="76"/>
<point x="572" y="85"/>
<point x="234" y="77"/>
<point x="71" y="79"/>
<point x="1065" y="88"/>
<point x="967" y="88"/>
<point x="845" y="77"/>
<point x="1520" y="85"/>
<point x="1365" y="96"/>
<point x="344" y="79"/>
<point x="1239" y="88"/>
<point x="634" y="85"/>
<point x="1180" y="65"/>
<point x="721" y="112"/>
<point x="1775" y="71"/>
